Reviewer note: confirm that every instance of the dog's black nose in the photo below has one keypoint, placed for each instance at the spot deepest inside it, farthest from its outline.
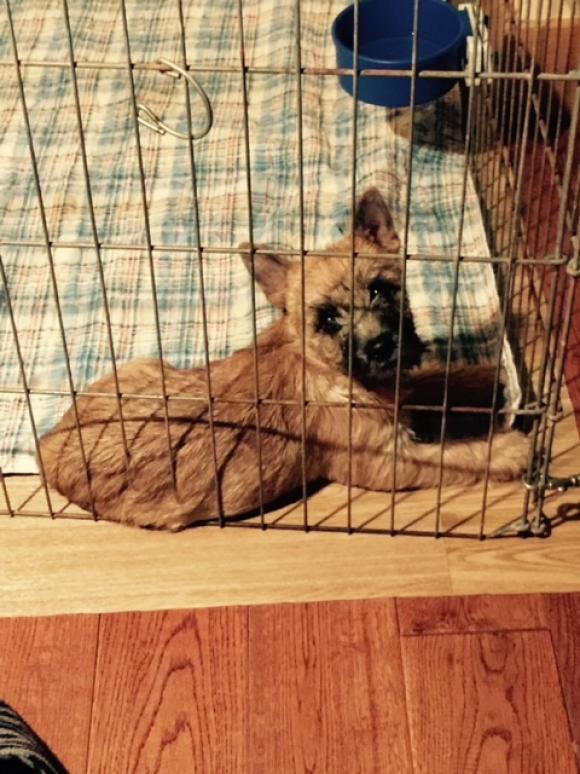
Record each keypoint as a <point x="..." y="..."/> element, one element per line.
<point x="380" y="349"/>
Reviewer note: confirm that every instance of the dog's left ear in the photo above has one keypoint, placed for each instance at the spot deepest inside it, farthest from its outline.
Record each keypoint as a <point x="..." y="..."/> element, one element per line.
<point x="270" y="272"/>
<point x="374" y="221"/>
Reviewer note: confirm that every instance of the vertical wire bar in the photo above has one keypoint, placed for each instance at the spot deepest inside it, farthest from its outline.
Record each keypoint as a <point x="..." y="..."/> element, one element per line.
<point x="533" y="319"/>
<point x="539" y="430"/>
<point x="502" y="333"/>
<point x="559" y="243"/>
<point x="515" y="217"/>
<point x="501" y="224"/>
<point x="355" y="87"/>
<point x="535" y="239"/>
<point x="493" y="168"/>
<point x="556" y="143"/>
<point x="49" y="253"/>
<point x="200" y="269"/>
<point x="485" y="118"/>
<point x="556" y="393"/>
<point x="244" y="86"/>
<point x="404" y="257"/>
<point x="509" y="94"/>
<point x="147" y="228"/>
<point x="479" y="124"/>
<point x="300" y="141"/>
<point x="541" y="87"/>
<point x="489" y="90"/>
<point x="516" y="105"/>
<point x="451" y="337"/>
<point x="551" y="87"/>
<point x="525" y="140"/>
<point x="25" y="386"/>
<point x="9" y="507"/>
<point x="504" y="119"/>
<point x="476" y="141"/>
<point x="534" y="322"/>
<point x="94" y="230"/>
<point x="512" y="152"/>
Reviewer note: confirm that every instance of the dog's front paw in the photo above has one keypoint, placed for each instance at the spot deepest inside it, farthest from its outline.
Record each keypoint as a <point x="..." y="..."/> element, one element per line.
<point x="509" y="456"/>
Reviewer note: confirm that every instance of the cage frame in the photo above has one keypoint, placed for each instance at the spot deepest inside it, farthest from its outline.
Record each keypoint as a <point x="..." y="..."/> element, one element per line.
<point x="482" y="119"/>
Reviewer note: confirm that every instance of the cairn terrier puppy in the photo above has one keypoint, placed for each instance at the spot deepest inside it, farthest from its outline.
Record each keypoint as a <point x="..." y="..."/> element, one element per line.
<point x="149" y="489"/>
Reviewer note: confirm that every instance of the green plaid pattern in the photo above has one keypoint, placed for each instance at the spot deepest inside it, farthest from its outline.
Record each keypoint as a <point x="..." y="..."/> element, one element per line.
<point x="212" y="38"/>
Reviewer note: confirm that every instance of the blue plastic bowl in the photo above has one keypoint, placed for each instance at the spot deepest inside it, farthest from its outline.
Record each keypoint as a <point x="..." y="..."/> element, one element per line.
<point x="386" y="43"/>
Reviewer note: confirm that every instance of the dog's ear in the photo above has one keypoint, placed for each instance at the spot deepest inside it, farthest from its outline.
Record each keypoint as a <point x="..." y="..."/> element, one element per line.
<point x="374" y="222"/>
<point x="270" y="272"/>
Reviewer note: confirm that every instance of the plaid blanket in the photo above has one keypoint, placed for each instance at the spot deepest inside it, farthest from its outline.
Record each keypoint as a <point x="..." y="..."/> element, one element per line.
<point x="212" y="38"/>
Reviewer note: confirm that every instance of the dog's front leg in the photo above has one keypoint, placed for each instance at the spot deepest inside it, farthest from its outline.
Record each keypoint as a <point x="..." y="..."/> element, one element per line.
<point x="420" y="465"/>
<point x="462" y="462"/>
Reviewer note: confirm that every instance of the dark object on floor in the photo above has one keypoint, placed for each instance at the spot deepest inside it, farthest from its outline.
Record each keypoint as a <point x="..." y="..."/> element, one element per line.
<point x="21" y="750"/>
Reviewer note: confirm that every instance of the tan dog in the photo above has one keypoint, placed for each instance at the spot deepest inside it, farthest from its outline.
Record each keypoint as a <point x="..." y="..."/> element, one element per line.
<point x="149" y="491"/>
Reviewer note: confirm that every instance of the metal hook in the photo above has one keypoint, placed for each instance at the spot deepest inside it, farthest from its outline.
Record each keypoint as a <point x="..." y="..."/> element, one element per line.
<point x="157" y="125"/>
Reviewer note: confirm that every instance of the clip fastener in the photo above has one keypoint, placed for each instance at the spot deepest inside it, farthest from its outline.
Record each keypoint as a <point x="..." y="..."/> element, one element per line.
<point x="152" y="121"/>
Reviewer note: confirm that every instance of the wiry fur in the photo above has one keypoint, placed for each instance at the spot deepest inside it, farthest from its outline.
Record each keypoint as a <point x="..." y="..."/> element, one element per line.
<point x="147" y="490"/>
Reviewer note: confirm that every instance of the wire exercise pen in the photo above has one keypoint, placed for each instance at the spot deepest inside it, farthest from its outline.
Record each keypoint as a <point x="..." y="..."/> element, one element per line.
<point x="520" y="97"/>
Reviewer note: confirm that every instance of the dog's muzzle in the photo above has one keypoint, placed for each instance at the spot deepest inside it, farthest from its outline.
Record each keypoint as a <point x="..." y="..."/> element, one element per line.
<point x="375" y="362"/>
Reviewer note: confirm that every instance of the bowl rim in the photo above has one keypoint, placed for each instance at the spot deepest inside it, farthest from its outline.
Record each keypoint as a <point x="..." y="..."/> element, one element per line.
<point x="403" y="64"/>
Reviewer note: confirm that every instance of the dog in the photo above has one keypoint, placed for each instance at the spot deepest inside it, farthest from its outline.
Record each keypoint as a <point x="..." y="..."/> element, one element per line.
<point x="168" y="465"/>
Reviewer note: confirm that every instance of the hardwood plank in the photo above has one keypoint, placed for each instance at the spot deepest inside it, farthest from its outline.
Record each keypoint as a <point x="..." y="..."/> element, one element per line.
<point x="326" y="689"/>
<point x="46" y="673"/>
<point x="63" y="567"/>
<point x="563" y="614"/>
<point x="486" y="703"/>
<point x="71" y="566"/>
<point x="170" y="693"/>
<point x="507" y="566"/>
<point x="478" y="613"/>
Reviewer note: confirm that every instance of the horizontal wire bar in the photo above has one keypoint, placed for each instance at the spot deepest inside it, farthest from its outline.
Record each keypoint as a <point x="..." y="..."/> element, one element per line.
<point x="183" y="398"/>
<point x="57" y="515"/>
<point x="170" y="248"/>
<point x="312" y="527"/>
<point x="529" y="75"/>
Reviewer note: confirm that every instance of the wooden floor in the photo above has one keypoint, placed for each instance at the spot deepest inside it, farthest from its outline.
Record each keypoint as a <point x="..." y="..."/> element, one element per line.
<point x="71" y="566"/>
<point x="433" y="686"/>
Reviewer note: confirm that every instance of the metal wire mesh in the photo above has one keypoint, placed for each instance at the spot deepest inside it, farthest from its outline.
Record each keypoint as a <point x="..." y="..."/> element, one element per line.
<point x="521" y="96"/>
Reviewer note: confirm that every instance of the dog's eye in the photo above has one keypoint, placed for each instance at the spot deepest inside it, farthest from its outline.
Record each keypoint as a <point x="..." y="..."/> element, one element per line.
<point x="327" y="319"/>
<point x="382" y="288"/>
